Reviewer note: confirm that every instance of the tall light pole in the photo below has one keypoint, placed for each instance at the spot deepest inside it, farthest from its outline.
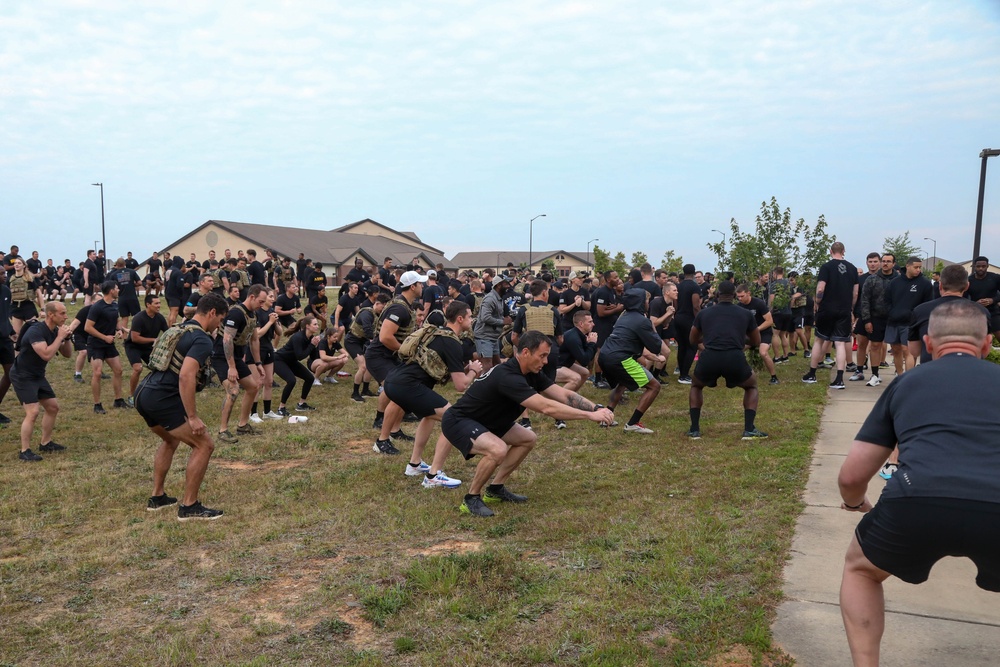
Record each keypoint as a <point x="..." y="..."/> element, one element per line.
<point x="927" y="238"/>
<point x="723" y="237"/>
<point x="531" y="237"/>
<point x="986" y="154"/>
<point x="104" y="241"/>
<point x="590" y="261"/>
<point x="498" y="264"/>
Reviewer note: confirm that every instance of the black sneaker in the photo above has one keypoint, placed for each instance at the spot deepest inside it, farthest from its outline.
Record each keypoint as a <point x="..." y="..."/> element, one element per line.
<point x="560" y="424"/>
<point x="475" y="506"/>
<point x="684" y="379"/>
<point x="503" y="495"/>
<point x="368" y="393"/>
<point x="246" y="429"/>
<point x="774" y="380"/>
<point x="28" y="455"/>
<point x="399" y="435"/>
<point x="601" y="384"/>
<point x="754" y="435"/>
<point x="304" y="407"/>
<point x="283" y="412"/>
<point x="357" y="398"/>
<point x="837" y="384"/>
<point x="410" y="418"/>
<point x="384" y="447"/>
<point x="121" y="404"/>
<point x="694" y="434"/>
<point x="197" y="512"/>
<point x="377" y="423"/>
<point x="227" y="436"/>
<point x="809" y="378"/>
<point x="4" y="419"/>
<point x="99" y="409"/>
<point x="51" y="446"/>
<point x="524" y="423"/>
<point x="156" y="503"/>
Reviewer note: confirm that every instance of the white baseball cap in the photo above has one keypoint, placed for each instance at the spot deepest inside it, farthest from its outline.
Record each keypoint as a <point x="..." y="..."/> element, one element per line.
<point x="411" y="277"/>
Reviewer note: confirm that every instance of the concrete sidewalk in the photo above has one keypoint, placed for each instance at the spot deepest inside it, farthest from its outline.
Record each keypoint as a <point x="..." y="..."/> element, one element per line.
<point x="946" y="621"/>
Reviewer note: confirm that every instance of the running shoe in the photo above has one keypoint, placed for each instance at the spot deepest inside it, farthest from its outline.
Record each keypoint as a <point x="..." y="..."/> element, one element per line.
<point x="156" y="503"/>
<point x="857" y="377"/>
<point x="888" y="470"/>
<point x="475" y="506"/>
<point x="384" y="447"/>
<point x="51" y="446"/>
<point x="694" y="434"/>
<point x="560" y="424"/>
<point x="246" y="429"/>
<point x="256" y="419"/>
<point x="303" y="407"/>
<point x="197" y="512"/>
<point x="753" y="434"/>
<point x="99" y="409"/>
<point x="272" y="415"/>
<point x="809" y="378"/>
<point x="774" y="380"/>
<point x="614" y="422"/>
<point x="399" y="435"/>
<point x="414" y="470"/>
<point x="684" y="379"/>
<point x="440" y="481"/>
<point x="227" y="436"/>
<point x="28" y="455"/>
<point x="837" y="384"/>
<point x="524" y="423"/>
<point x="357" y="398"/>
<point x="874" y="381"/>
<point x="503" y="495"/>
<point x="637" y="428"/>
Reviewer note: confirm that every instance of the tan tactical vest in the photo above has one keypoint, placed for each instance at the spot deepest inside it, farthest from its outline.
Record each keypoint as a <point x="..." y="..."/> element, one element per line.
<point x="401" y="332"/>
<point x="539" y="318"/>
<point x="20" y="289"/>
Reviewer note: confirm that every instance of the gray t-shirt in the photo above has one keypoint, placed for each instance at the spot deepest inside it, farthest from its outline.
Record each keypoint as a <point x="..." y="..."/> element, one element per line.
<point x="943" y="416"/>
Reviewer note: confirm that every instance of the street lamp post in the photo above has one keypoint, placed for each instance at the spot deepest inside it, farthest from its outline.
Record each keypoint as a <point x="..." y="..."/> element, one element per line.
<point x="723" y="237"/>
<point x="498" y="264"/>
<point x="531" y="237"/>
<point x="927" y="238"/>
<point x="986" y="154"/>
<point x="104" y="241"/>
<point x="590" y="260"/>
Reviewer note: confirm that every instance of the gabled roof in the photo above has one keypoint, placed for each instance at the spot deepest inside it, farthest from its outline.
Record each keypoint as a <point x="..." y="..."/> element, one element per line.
<point x="412" y="235"/>
<point x="517" y="257"/>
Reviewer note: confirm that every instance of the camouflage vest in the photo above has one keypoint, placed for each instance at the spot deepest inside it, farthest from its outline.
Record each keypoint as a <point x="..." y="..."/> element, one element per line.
<point x="164" y="356"/>
<point x="242" y="279"/>
<point x="401" y="332"/>
<point x="356" y="329"/>
<point x="506" y="343"/>
<point x="244" y="335"/>
<point x="286" y="275"/>
<point x="20" y="288"/>
<point x="416" y="348"/>
<point x="539" y="318"/>
<point x="479" y="302"/>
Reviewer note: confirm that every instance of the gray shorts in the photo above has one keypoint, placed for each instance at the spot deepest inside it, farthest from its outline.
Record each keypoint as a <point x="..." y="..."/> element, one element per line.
<point x="897" y="334"/>
<point x="488" y="348"/>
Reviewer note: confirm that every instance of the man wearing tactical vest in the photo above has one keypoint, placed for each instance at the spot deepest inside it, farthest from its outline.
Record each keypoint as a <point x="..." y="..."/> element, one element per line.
<point x="437" y="358"/>
<point x="166" y="401"/>
<point x="145" y="329"/>
<point x="359" y="335"/>
<point x="22" y="294"/>
<point x="240" y="277"/>
<point x="540" y="316"/>
<point x="284" y="275"/>
<point x="215" y="272"/>
<point x="394" y="325"/>
<point x="239" y="332"/>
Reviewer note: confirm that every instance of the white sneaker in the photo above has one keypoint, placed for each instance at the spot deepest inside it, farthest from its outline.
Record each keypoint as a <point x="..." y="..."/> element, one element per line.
<point x="637" y="428"/>
<point x="317" y="383"/>
<point x="330" y="380"/>
<point x="440" y="480"/>
<point x="255" y="419"/>
<point x="414" y="470"/>
<point x="272" y="415"/>
<point x="874" y="381"/>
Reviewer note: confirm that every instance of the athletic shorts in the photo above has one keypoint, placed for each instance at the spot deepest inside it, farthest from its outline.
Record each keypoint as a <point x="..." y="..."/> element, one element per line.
<point x="859" y="328"/>
<point x="160" y="407"/>
<point x="24" y="310"/>
<point x="174" y="302"/>
<point x="994" y="322"/>
<point x="603" y="333"/>
<point x="783" y="322"/>
<point x="221" y="368"/>
<point x="379" y="366"/>
<point x="266" y="355"/>
<point x="906" y="537"/>
<point x="878" y="330"/>
<point x="628" y="373"/>
<point x="416" y="397"/>
<point x="354" y="348"/>
<point x="31" y="390"/>
<point x="6" y="351"/>
<point x="137" y="355"/>
<point x="461" y="432"/>
<point x="488" y="348"/>
<point x="102" y="352"/>
<point x="129" y="308"/>
<point x="729" y="364"/>
<point x="897" y="334"/>
<point x="766" y="336"/>
<point x="88" y="291"/>
<point x="833" y="326"/>
<point x="79" y="340"/>
<point x="809" y="319"/>
<point x="798" y="317"/>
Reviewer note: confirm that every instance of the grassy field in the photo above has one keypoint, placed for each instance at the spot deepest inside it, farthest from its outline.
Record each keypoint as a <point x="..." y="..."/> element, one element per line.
<point x="633" y="550"/>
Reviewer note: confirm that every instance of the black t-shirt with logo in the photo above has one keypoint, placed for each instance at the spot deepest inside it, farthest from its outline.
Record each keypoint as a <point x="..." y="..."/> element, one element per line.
<point x="126" y="279"/>
<point x="840" y="276"/>
<point x="494" y="399"/>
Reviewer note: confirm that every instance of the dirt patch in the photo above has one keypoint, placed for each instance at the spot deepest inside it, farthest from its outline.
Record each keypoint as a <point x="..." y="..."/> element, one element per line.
<point x="737" y="656"/>
<point x="447" y="547"/>
<point x="243" y="466"/>
<point x="362" y="631"/>
<point x="359" y="445"/>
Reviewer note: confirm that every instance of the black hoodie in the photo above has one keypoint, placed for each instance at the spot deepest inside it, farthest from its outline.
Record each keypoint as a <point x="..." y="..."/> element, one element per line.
<point x="633" y="331"/>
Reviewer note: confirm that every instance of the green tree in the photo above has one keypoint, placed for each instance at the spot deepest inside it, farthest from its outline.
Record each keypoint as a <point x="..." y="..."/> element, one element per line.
<point x="639" y="258"/>
<point x="901" y="247"/>
<point x="602" y="259"/>
<point x="548" y="265"/>
<point x="619" y="264"/>
<point x="776" y="240"/>
<point x="670" y="262"/>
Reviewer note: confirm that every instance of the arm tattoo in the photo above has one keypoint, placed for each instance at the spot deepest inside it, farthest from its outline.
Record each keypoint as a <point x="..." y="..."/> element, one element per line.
<point x="227" y="343"/>
<point x="579" y="402"/>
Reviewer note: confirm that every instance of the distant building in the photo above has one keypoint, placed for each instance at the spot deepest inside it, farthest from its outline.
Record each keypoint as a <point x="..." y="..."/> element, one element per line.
<point x="566" y="263"/>
<point x="335" y="249"/>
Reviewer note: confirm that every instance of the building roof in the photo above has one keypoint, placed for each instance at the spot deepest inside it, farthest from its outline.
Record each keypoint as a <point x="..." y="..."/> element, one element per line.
<point x="412" y="235"/>
<point x="500" y="258"/>
<point x="328" y="247"/>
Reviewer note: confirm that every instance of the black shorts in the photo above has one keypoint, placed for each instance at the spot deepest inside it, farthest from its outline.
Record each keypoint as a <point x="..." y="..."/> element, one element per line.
<point x="462" y="432"/>
<point x="783" y="322"/>
<point x="798" y="317"/>
<point x="833" y="326"/>
<point x="906" y="537"/>
<point x="266" y="355"/>
<point x="136" y="355"/>
<point x="23" y="310"/>
<point x="31" y="390"/>
<point x="221" y="368"/>
<point x="878" y="330"/>
<point x="809" y="319"/>
<point x="88" y="290"/>
<point x="6" y="351"/>
<point x="627" y="372"/>
<point x="102" y="352"/>
<point x="417" y="398"/>
<point x="79" y="341"/>
<point x="603" y="332"/>
<point x="160" y="407"/>
<point x="379" y="366"/>
<point x="995" y="322"/>
<point x="729" y="364"/>
<point x="766" y="336"/>
<point x="128" y="308"/>
<point x="174" y="302"/>
<point x="354" y="348"/>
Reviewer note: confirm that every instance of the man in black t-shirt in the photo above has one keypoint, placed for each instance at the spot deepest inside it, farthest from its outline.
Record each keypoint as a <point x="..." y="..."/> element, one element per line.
<point x="984" y="287"/>
<point x="765" y="324"/>
<point x="433" y="294"/>
<point x="128" y="291"/>
<point x="103" y="330"/>
<point x="573" y="298"/>
<point x="723" y="332"/>
<point x="166" y="401"/>
<point x="316" y="280"/>
<point x="258" y="276"/>
<point x="689" y="302"/>
<point x="146" y="328"/>
<point x="40" y="343"/>
<point x="836" y="294"/>
<point x="288" y="305"/>
<point x="229" y="362"/>
<point x="483" y="420"/>
<point x="606" y="306"/>
<point x="347" y="306"/>
<point x="953" y="283"/>
<point x="410" y="388"/>
<point x="89" y="277"/>
<point x="133" y="263"/>
<point x="358" y="274"/>
<point x="386" y="280"/>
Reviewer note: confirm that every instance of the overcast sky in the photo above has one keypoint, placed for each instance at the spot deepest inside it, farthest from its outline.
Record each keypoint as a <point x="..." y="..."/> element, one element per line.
<point x="644" y="124"/>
